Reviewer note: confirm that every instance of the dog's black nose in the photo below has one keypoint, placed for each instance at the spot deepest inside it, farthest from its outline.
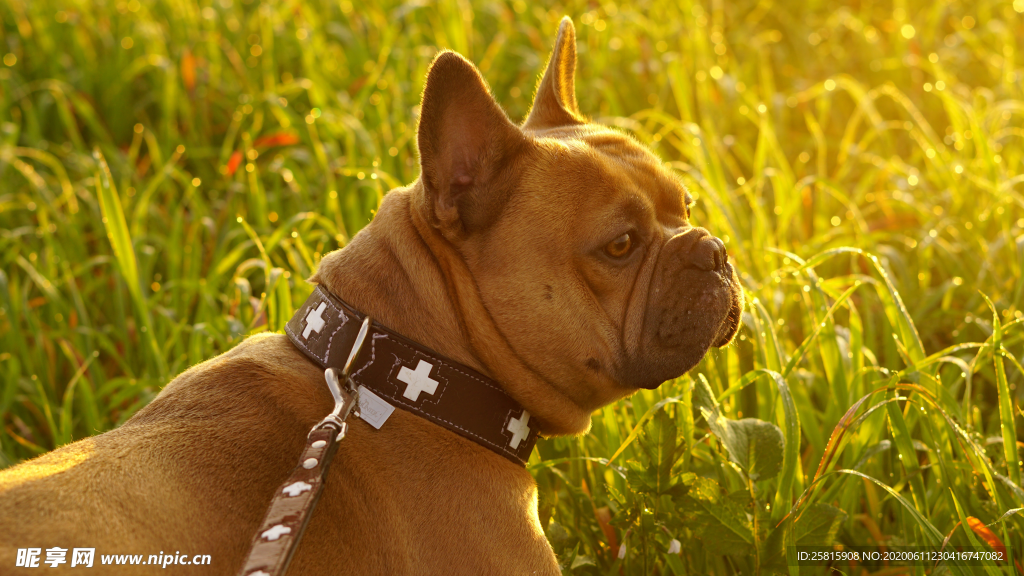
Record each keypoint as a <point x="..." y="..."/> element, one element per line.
<point x="700" y="250"/>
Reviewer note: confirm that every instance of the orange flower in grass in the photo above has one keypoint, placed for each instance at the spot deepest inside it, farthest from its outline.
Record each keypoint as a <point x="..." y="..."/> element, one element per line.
<point x="990" y="538"/>
<point x="277" y="139"/>
<point x="268" y="141"/>
<point x="987" y="535"/>
<point x="188" y="70"/>
<point x="233" y="163"/>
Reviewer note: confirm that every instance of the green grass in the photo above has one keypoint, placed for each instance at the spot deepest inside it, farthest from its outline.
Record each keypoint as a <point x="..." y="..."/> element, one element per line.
<point x="863" y="163"/>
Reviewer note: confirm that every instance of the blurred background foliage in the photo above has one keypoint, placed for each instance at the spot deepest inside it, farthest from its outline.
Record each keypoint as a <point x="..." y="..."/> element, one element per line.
<point x="171" y="171"/>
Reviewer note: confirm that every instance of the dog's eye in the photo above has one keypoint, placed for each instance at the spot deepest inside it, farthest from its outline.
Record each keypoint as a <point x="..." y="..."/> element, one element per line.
<point x="620" y="246"/>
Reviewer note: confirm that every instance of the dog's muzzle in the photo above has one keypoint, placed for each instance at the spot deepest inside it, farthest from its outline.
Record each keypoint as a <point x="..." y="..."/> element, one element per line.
<point x="694" y="303"/>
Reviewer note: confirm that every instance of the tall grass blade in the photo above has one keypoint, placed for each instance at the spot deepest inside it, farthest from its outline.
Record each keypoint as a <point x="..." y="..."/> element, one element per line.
<point x="1007" y="426"/>
<point x="124" y="251"/>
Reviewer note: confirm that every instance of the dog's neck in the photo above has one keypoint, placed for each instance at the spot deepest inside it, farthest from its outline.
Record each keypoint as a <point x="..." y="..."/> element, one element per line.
<point x="383" y="275"/>
<point x="437" y="305"/>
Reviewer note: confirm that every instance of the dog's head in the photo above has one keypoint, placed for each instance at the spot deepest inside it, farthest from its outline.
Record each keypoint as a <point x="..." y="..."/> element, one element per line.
<point x="578" y="238"/>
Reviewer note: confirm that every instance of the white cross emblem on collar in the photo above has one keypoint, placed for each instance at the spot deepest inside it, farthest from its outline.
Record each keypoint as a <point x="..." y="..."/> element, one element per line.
<point x="315" y="320"/>
<point x="418" y="380"/>
<point x="519" y="429"/>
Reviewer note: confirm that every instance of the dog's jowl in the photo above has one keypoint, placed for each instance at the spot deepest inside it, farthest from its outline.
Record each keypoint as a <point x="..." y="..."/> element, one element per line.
<point x="553" y="262"/>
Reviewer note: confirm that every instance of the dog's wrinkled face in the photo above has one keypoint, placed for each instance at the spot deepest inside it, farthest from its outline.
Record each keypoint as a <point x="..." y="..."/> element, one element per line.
<point x="578" y="237"/>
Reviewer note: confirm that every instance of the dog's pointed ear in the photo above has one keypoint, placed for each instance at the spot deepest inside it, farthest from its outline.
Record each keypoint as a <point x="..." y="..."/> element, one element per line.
<point x="555" y="102"/>
<point x="468" y="147"/>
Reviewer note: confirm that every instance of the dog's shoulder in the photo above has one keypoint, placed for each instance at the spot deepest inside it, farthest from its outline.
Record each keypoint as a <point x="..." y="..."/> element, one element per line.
<point x="263" y="376"/>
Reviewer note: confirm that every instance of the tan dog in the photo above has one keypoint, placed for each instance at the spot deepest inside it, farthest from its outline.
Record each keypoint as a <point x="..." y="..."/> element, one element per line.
<point x="556" y="257"/>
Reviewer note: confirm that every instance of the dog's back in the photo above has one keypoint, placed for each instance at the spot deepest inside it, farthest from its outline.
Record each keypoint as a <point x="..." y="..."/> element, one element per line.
<point x="193" y="472"/>
<point x="158" y="483"/>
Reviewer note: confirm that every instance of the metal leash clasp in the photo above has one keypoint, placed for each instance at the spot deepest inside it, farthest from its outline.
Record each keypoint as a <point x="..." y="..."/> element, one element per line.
<point x="344" y="390"/>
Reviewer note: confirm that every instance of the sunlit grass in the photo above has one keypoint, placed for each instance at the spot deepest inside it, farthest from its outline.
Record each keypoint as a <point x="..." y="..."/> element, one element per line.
<point x="172" y="171"/>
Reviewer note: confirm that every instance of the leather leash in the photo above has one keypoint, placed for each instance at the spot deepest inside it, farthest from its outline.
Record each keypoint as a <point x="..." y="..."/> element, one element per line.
<point x="281" y="530"/>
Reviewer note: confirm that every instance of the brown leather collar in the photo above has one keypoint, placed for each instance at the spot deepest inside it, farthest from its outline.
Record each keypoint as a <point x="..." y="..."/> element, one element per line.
<point x="398" y="371"/>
